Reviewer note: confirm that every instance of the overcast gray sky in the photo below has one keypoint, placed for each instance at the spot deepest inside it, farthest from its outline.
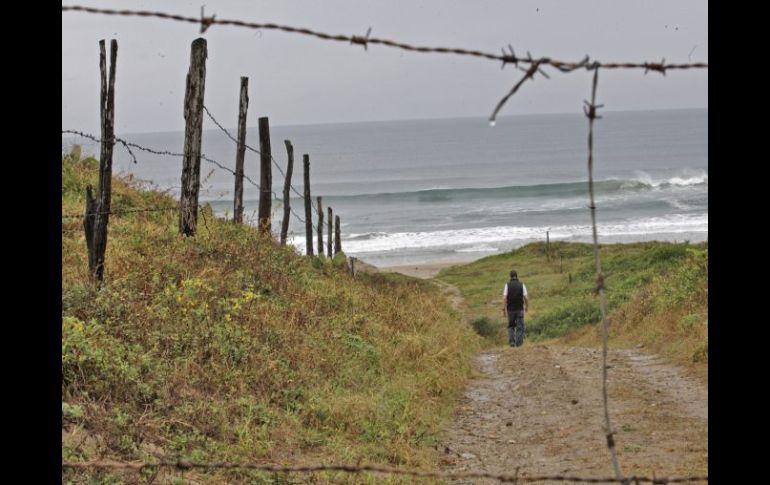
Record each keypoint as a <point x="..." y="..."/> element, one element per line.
<point x="296" y="79"/>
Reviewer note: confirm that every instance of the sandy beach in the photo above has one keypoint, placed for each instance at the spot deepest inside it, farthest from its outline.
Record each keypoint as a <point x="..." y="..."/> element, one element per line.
<point x="424" y="271"/>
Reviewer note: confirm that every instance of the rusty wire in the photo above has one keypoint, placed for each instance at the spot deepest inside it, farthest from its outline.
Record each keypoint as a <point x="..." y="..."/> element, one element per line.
<point x="184" y="465"/>
<point x="505" y="57"/>
<point x="130" y="145"/>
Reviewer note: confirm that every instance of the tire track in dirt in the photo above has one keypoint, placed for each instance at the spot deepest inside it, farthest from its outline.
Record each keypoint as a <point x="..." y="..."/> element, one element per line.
<point x="538" y="407"/>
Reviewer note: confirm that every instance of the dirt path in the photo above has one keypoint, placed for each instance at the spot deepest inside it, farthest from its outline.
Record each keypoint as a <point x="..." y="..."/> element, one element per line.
<point x="538" y="407"/>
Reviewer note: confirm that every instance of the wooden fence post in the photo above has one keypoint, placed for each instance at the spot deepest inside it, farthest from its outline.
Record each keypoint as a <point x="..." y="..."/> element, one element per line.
<point x="265" y="176"/>
<point x="547" y="246"/>
<point x="320" y="228"/>
<point x="98" y="209"/>
<point x="286" y="192"/>
<point x="308" y="202"/>
<point x="193" y="115"/>
<point x="240" y="154"/>
<point x="337" y="242"/>
<point x="329" y="232"/>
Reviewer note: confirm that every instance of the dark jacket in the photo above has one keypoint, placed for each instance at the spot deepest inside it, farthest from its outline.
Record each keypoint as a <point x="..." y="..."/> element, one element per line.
<point x="515" y="296"/>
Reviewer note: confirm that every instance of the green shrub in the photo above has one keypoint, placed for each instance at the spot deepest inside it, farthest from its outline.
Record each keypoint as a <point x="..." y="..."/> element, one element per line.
<point x="484" y="327"/>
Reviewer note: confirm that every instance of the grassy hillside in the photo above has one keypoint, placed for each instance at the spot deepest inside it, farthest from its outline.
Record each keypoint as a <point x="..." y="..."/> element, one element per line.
<point x="667" y="316"/>
<point x="227" y="346"/>
<point x="641" y="279"/>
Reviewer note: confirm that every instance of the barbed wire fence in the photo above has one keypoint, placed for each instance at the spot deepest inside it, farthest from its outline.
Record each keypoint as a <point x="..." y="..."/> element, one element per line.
<point x="129" y="145"/>
<point x="536" y="66"/>
<point x="185" y="465"/>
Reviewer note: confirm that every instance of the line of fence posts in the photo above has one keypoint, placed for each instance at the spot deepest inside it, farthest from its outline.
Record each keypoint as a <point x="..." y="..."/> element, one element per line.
<point x="97" y="210"/>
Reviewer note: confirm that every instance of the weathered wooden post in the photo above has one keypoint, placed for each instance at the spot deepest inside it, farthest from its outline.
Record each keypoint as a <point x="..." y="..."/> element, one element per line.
<point x="329" y="232"/>
<point x="320" y="228"/>
<point x="98" y="209"/>
<point x="352" y="266"/>
<point x="561" y="262"/>
<point x="265" y="176"/>
<point x="193" y="115"/>
<point x="286" y="192"/>
<point x="547" y="246"/>
<point x="308" y="202"/>
<point x="240" y="154"/>
<point x="337" y="241"/>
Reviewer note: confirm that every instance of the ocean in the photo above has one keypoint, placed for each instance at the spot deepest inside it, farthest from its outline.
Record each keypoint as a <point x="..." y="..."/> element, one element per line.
<point x="424" y="191"/>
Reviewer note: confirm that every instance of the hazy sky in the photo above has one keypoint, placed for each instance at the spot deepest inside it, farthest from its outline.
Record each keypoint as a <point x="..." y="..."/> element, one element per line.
<point x="295" y="79"/>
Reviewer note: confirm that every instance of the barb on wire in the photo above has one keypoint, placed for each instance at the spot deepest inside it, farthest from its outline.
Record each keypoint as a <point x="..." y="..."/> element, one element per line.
<point x="590" y="112"/>
<point x="509" y="57"/>
<point x="184" y="465"/>
<point x="206" y="21"/>
<point x="364" y="41"/>
<point x="367" y="40"/>
<point x="658" y="67"/>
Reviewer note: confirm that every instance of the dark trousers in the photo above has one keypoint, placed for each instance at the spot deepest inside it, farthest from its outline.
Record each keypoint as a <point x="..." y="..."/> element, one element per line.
<point x="516" y="327"/>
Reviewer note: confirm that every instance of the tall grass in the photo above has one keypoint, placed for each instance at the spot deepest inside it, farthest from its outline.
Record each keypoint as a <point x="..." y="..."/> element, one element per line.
<point x="226" y="346"/>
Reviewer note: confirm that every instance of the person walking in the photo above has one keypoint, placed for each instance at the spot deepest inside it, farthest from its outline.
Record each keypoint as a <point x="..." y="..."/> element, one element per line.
<point x="515" y="304"/>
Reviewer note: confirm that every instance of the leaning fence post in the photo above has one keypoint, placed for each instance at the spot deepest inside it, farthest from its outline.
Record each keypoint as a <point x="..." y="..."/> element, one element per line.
<point x="320" y="228"/>
<point x="308" y="202"/>
<point x="337" y="242"/>
<point x="265" y="176"/>
<point x="98" y="209"/>
<point x="240" y="154"/>
<point x="193" y="115"/>
<point x="286" y="194"/>
<point x="329" y="232"/>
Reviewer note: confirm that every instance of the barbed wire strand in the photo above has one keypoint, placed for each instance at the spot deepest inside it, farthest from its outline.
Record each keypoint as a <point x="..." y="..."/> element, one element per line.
<point x="529" y="74"/>
<point x="590" y="112"/>
<point x="128" y="146"/>
<point x="365" y="40"/>
<point x="508" y="57"/>
<point x="184" y="465"/>
<point x="275" y="162"/>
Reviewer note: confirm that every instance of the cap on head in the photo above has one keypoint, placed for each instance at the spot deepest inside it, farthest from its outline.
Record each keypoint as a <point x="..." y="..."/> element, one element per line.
<point x="514" y="275"/>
